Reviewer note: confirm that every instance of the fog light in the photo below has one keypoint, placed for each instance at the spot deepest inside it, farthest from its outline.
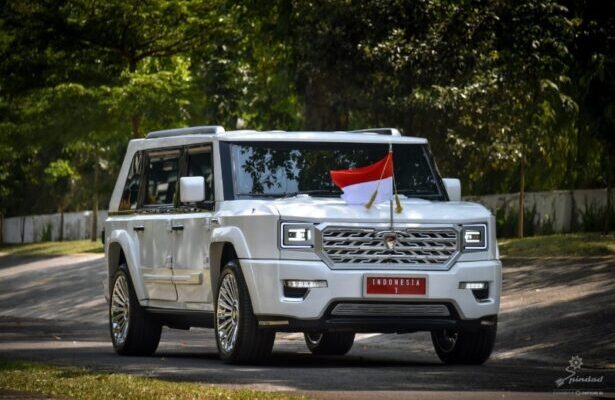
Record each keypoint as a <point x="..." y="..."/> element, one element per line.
<point x="297" y="284"/>
<point x="473" y="285"/>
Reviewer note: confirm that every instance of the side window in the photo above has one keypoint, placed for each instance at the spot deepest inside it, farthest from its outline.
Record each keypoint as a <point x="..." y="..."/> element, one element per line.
<point x="200" y="164"/>
<point x="130" y="194"/>
<point x="162" y="177"/>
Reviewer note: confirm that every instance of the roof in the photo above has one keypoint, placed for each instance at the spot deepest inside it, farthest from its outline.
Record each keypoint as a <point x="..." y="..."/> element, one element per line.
<point x="192" y="134"/>
<point x="316" y="136"/>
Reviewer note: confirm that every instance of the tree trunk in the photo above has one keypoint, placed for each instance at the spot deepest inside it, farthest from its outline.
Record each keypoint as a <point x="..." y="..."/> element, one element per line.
<point x="94" y="233"/>
<point x="1" y="228"/>
<point x="23" y="228"/>
<point x="607" y="216"/>
<point x="321" y="110"/>
<point x="136" y="126"/>
<point x="61" y="225"/>
<point x="573" y="212"/>
<point x="135" y="119"/>
<point x="521" y="197"/>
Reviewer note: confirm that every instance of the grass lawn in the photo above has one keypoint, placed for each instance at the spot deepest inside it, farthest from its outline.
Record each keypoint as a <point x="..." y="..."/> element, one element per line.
<point x="77" y="383"/>
<point x="568" y="245"/>
<point x="52" y="248"/>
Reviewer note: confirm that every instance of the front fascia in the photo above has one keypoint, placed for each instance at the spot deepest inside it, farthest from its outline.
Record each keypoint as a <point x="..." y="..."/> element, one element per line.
<point x="317" y="252"/>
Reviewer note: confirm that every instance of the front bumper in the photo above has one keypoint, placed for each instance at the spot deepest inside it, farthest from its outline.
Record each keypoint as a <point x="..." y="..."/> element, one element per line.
<point x="264" y="279"/>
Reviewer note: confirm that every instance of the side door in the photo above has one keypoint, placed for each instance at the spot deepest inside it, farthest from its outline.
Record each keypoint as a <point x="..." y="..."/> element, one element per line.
<point x="156" y="231"/>
<point x="192" y="235"/>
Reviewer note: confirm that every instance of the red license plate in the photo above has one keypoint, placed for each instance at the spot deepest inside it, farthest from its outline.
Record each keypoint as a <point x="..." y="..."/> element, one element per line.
<point x="395" y="285"/>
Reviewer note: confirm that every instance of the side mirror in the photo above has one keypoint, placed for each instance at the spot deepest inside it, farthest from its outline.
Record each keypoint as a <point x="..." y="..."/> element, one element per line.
<point x="453" y="188"/>
<point x="191" y="189"/>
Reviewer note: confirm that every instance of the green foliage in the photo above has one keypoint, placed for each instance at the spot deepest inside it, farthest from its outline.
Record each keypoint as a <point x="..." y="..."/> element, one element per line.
<point x="595" y="218"/>
<point x="46" y="233"/>
<point x="507" y="222"/>
<point x="60" y="170"/>
<point x="494" y="86"/>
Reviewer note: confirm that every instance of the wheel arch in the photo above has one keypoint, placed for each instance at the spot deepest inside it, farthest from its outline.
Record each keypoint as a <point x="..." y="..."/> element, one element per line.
<point x="220" y="254"/>
<point x="227" y="242"/>
<point x="121" y="249"/>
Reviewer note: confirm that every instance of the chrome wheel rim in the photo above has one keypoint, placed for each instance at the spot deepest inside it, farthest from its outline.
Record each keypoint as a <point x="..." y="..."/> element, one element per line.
<point x="120" y="310"/>
<point x="227" y="313"/>
<point x="313" y="337"/>
<point x="447" y="340"/>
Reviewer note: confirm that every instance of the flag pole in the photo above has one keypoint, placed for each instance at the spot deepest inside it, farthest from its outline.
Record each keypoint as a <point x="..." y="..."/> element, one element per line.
<point x="391" y="199"/>
<point x="373" y="198"/>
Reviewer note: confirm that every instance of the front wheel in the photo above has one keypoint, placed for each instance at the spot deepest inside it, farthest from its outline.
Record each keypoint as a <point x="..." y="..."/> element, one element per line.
<point x="133" y="331"/>
<point x="238" y="337"/>
<point x="464" y="347"/>
<point x="329" y="343"/>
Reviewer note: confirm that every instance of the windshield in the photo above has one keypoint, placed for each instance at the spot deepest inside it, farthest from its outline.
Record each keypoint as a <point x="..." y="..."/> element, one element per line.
<point x="282" y="169"/>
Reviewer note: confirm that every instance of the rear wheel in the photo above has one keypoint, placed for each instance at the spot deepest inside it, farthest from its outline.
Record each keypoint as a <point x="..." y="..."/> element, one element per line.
<point x="329" y="343"/>
<point x="238" y="337"/>
<point x="133" y="331"/>
<point x="464" y="347"/>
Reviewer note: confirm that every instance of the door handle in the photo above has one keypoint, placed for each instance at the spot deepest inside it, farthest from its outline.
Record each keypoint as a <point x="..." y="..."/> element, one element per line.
<point x="177" y="227"/>
<point x="139" y="228"/>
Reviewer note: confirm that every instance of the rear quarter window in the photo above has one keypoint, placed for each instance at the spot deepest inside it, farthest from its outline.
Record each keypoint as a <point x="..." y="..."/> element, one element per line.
<point x="130" y="194"/>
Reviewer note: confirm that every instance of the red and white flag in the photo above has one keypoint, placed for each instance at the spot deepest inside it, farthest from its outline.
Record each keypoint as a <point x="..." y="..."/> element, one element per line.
<point x="360" y="184"/>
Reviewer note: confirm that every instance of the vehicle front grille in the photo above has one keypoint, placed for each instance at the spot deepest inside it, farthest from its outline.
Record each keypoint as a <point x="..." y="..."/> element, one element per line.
<point x="390" y="310"/>
<point x="414" y="247"/>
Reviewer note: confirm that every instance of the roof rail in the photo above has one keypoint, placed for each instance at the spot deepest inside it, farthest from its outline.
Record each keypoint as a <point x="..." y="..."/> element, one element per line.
<point x="193" y="130"/>
<point x="379" y="131"/>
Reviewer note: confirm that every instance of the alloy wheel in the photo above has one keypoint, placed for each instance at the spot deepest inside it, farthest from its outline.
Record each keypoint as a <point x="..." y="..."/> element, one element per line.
<point x="120" y="310"/>
<point x="446" y="339"/>
<point x="227" y="313"/>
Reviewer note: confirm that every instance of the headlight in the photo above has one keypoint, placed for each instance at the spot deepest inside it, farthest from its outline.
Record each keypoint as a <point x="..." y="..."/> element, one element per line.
<point x="474" y="237"/>
<point x="297" y="235"/>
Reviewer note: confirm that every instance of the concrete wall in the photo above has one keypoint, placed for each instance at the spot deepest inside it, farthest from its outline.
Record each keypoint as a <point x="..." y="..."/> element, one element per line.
<point x="77" y="225"/>
<point x="561" y="210"/>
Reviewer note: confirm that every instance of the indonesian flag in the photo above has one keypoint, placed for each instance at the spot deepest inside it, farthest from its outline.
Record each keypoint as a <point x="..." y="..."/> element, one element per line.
<point x="366" y="185"/>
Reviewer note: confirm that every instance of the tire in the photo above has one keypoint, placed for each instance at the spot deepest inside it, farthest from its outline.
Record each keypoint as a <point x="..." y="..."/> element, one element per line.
<point x="133" y="331"/>
<point x="464" y="347"/>
<point x="238" y="337"/>
<point x="329" y="343"/>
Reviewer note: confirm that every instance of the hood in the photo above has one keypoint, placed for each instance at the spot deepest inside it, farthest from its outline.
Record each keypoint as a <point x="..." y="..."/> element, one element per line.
<point x="305" y="208"/>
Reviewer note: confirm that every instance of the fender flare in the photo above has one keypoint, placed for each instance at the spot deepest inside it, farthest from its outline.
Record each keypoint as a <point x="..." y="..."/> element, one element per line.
<point x="219" y="238"/>
<point x="120" y="240"/>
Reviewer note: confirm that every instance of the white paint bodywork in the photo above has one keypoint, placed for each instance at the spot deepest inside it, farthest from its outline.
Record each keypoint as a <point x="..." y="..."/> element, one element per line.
<point x="173" y="268"/>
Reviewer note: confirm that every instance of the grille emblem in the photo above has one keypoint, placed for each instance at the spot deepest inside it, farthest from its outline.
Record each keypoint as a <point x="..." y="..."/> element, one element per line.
<point x="390" y="240"/>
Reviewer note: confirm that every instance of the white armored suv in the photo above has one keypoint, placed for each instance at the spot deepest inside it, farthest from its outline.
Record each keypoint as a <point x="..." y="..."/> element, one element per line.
<point x="245" y="232"/>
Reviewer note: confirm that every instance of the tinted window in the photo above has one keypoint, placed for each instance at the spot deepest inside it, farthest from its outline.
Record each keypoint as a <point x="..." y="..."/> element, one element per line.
<point x="162" y="173"/>
<point x="131" y="188"/>
<point x="283" y="168"/>
<point x="200" y="164"/>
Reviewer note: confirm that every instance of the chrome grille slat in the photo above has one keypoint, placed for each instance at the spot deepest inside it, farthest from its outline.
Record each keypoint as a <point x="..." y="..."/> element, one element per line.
<point x="398" y="248"/>
<point x="418" y="247"/>
<point x="390" y="310"/>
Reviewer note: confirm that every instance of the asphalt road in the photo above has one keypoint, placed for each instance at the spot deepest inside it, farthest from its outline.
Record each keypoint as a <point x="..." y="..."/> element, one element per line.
<point x="53" y="310"/>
